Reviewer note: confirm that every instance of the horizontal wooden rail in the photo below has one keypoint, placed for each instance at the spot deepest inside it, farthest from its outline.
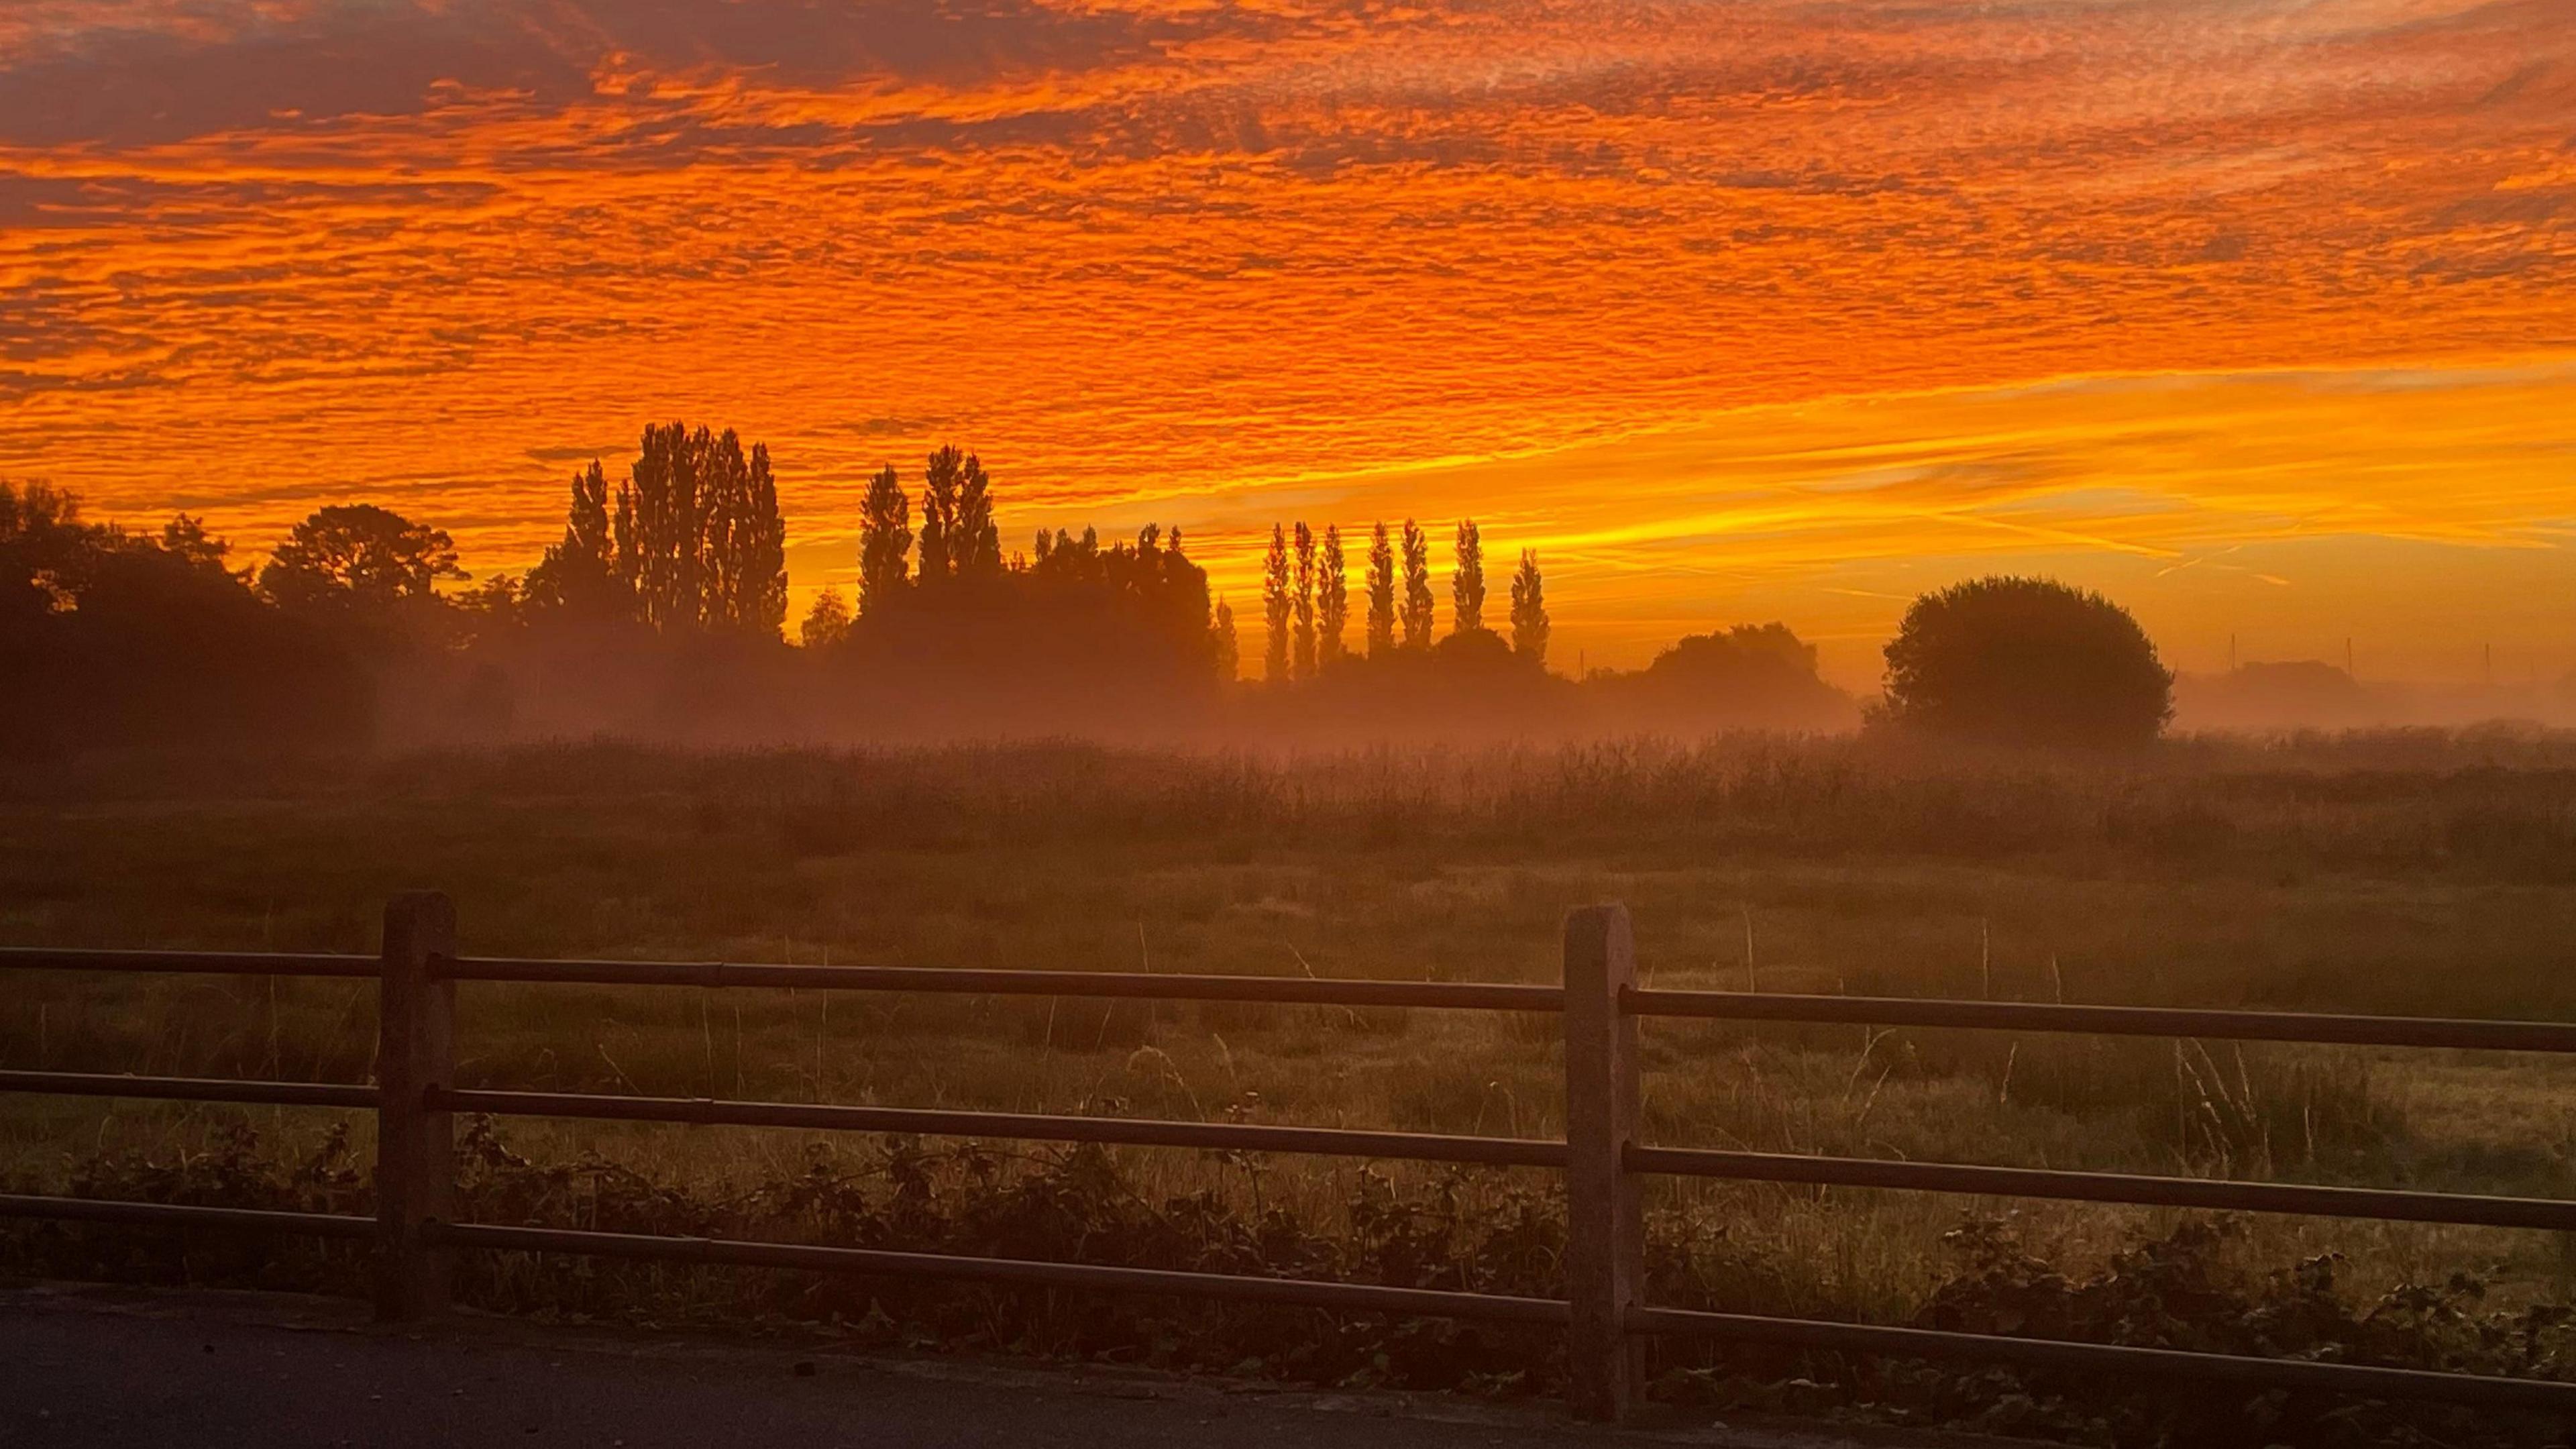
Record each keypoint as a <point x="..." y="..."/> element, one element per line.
<point x="1117" y="1131"/>
<point x="1299" y="1292"/>
<point x="1275" y="990"/>
<point x="2466" y="1209"/>
<point x="1604" y="1311"/>
<point x="2165" y="1021"/>
<point x="173" y="1215"/>
<point x="2339" y="1380"/>
<point x="194" y="963"/>
<point x="191" y="1089"/>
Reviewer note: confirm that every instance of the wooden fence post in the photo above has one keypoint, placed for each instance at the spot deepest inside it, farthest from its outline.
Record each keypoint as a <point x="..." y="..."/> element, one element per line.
<point x="415" y="1147"/>
<point x="1605" y="1243"/>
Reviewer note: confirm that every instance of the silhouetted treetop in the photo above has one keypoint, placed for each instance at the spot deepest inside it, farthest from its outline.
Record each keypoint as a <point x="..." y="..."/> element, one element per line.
<point x="1529" y="610"/>
<point x="150" y="641"/>
<point x="1229" y="652"/>
<point x="885" y="541"/>
<point x="959" y="540"/>
<point x="1467" y="580"/>
<point x="1332" y="599"/>
<point x="1277" y="604"/>
<point x="1417" y="587"/>
<point x="579" y="575"/>
<point x="827" y="623"/>
<point x="358" y="553"/>
<point x="1381" y="593"/>
<point x="2023" y="661"/>
<point x="699" y="540"/>
<point x="1305" y="602"/>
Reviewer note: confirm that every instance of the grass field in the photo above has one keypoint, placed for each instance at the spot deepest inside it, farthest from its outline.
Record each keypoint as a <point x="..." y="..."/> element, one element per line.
<point x="2418" y="873"/>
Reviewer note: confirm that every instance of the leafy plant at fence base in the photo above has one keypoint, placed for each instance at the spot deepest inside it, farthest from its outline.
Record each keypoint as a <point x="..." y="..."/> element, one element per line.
<point x="1465" y="1231"/>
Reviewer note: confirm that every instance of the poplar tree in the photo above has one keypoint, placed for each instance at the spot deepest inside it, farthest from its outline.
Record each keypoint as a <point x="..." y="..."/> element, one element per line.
<point x="724" y="489"/>
<point x="1467" y="581"/>
<point x="1332" y="600"/>
<point x="885" y="541"/>
<point x="1275" y="607"/>
<point x="743" y="546"/>
<point x="1417" y="587"/>
<point x="579" y="574"/>
<point x="1381" y="593"/>
<point x="940" y="544"/>
<point x="661" y="525"/>
<point x="762" y="538"/>
<point x="975" y="548"/>
<point x="1229" y="654"/>
<point x="1305" y="602"/>
<point x="1529" y="611"/>
<point x="699" y="540"/>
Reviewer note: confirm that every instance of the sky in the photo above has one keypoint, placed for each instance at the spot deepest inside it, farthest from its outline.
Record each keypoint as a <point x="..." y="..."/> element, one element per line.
<point x="2258" y="315"/>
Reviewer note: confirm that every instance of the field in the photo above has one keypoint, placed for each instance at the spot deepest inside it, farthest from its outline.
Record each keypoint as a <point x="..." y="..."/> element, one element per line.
<point x="2404" y="873"/>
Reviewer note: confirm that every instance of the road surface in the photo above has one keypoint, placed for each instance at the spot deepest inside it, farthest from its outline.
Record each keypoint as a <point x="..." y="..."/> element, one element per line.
<point x="84" y="1367"/>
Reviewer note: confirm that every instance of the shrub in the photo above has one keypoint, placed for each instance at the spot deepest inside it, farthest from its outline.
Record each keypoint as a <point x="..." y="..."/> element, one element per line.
<point x="2016" y="661"/>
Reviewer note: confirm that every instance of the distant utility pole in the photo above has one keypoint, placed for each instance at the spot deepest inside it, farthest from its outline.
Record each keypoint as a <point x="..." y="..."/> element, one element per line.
<point x="2231" y="653"/>
<point x="2490" y="666"/>
<point x="2347" y="658"/>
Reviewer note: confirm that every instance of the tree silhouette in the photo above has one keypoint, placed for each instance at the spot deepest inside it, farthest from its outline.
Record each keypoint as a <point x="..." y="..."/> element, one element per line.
<point x="827" y="623"/>
<point x="1275" y="607"/>
<point x="975" y="548"/>
<point x="1757" y="676"/>
<point x="940" y="542"/>
<point x="579" y="574"/>
<point x="699" y="541"/>
<point x="1467" y="581"/>
<point x="185" y="538"/>
<point x="357" y="553"/>
<point x="2023" y="661"/>
<point x="885" y="541"/>
<point x="1381" y="593"/>
<point x="1229" y="653"/>
<point x="1305" y="664"/>
<point x="1139" y="609"/>
<point x="1332" y="600"/>
<point x="745" y="561"/>
<point x="116" y="640"/>
<point x="1417" y="587"/>
<point x="1529" y="610"/>
<point x="43" y="546"/>
<point x="660" y="528"/>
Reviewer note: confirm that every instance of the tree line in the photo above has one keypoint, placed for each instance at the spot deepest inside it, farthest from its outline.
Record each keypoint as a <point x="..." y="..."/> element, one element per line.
<point x="667" y="591"/>
<point x="1305" y="596"/>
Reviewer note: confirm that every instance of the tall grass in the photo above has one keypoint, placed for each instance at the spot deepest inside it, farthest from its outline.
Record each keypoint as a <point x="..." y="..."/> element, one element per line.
<point x="2414" y="873"/>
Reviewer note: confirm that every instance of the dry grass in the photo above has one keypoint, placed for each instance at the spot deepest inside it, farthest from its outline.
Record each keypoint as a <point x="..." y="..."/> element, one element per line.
<point x="2408" y="873"/>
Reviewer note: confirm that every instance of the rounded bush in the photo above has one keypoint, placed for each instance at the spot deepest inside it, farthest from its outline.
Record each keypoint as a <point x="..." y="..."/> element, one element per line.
<point x="2018" y="661"/>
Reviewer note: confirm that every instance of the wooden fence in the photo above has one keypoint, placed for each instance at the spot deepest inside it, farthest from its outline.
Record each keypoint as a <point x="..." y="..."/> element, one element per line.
<point x="1604" y="1312"/>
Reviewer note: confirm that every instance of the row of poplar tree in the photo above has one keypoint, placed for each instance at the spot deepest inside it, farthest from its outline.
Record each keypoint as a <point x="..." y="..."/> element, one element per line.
<point x="1306" y="607"/>
<point x="692" y="539"/>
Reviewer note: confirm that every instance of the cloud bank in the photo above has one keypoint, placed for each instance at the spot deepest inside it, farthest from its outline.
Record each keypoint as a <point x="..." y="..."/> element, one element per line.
<point x="1214" y="262"/>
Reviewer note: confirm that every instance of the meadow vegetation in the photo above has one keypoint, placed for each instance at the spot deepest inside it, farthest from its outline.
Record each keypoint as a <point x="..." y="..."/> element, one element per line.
<point x="2427" y="873"/>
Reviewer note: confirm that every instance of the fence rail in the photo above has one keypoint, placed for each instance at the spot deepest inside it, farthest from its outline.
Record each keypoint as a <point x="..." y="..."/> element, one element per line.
<point x="1604" y="1312"/>
<point x="1272" y="990"/>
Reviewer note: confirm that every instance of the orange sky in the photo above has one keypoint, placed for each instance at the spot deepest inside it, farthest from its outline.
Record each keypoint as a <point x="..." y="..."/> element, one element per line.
<point x="2256" y="314"/>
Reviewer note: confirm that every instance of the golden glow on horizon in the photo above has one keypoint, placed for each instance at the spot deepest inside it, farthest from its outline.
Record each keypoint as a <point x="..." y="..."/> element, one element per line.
<point x="2256" y="314"/>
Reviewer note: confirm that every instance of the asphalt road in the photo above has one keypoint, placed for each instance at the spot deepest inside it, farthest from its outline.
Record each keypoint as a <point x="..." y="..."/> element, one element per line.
<point x="89" y="1367"/>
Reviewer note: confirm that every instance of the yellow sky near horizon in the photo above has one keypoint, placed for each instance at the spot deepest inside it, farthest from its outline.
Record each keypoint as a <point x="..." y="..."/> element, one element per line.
<point x="2255" y="314"/>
